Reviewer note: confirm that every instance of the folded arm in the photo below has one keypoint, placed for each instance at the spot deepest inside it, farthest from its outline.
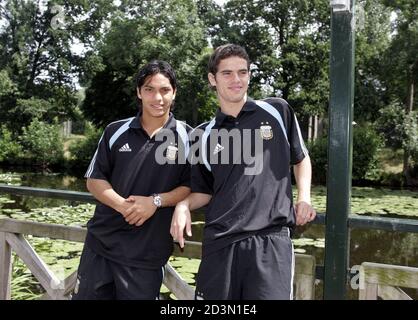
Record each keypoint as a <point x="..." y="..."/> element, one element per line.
<point x="103" y="192"/>
<point x="142" y="208"/>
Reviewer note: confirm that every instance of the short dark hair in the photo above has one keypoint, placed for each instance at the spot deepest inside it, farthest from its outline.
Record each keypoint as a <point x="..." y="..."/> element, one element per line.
<point x="226" y="51"/>
<point x="152" y="68"/>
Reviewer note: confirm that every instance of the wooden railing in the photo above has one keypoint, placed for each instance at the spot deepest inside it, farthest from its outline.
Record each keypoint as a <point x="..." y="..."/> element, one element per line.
<point x="12" y="238"/>
<point x="385" y="281"/>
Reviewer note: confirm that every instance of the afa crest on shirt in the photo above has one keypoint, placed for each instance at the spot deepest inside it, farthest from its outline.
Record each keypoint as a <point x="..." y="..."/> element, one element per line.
<point x="266" y="131"/>
<point x="171" y="153"/>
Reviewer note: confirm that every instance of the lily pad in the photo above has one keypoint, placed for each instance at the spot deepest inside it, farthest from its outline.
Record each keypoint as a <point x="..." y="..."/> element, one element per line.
<point x="4" y="200"/>
<point x="164" y="289"/>
<point x="188" y="268"/>
<point x="10" y="178"/>
<point x="69" y="264"/>
<point x="49" y="260"/>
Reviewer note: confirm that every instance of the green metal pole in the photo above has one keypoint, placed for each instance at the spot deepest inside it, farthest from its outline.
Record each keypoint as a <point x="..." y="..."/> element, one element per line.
<point x="339" y="154"/>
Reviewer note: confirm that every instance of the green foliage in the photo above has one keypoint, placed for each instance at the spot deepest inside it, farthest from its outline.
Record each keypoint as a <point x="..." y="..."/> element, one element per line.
<point x="38" y="64"/>
<point x="168" y="30"/>
<point x="83" y="150"/>
<point x="24" y="285"/>
<point x="10" y="150"/>
<point x="392" y="179"/>
<point x="6" y="84"/>
<point x="43" y="143"/>
<point x="399" y="129"/>
<point x="288" y="44"/>
<point x="372" y="40"/>
<point x="390" y="124"/>
<point x="366" y="144"/>
<point x="24" y="110"/>
<point x="208" y="109"/>
<point x="319" y="159"/>
<point x="79" y="124"/>
<point x="201" y="105"/>
<point x="400" y="60"/>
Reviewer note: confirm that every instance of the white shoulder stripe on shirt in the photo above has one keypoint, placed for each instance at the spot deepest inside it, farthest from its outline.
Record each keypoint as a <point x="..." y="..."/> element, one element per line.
<point x="276" y="114"/>
<point x="302" y="144"/>
<point x="92" y="162"/>
<point x="120" y="131"/>
<point x="204" y="140"/>
<point x="182" y="132"/>
<point x="268" y="108"/>
<point x="116" y="135"/>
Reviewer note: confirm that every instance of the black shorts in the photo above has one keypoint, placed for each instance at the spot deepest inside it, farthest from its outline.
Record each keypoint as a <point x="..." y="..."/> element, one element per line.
<point x="258" y="267"/>
<point x="102" y="279"/>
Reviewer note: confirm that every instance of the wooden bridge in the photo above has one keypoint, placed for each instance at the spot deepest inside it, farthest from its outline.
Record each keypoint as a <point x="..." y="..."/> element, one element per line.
<point x="376" y="280"/>
<point x="12" y="238"/>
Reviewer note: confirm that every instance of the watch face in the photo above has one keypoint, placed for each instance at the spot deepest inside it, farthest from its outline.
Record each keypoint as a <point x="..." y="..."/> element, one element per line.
<point x="157" y="200"/>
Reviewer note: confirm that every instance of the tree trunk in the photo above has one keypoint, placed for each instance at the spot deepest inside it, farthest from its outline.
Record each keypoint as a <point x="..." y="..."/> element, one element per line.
<point x="310" y="129"/>
<point x="406" y="155"/>
<point x="195" y="114"/>
<point x="315" y="126"/>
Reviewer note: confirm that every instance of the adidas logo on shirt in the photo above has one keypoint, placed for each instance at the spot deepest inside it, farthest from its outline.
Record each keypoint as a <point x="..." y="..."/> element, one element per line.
<point x="218" y="149"/>
<point x="125" y="148"/>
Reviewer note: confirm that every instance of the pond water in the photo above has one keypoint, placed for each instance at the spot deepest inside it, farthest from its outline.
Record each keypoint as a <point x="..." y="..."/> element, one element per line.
<point x="399" y="248"/>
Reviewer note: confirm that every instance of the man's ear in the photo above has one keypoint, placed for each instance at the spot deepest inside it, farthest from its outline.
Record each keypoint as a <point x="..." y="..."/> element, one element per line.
<point x="212" y="79"/>
<point x="138" y="93"/>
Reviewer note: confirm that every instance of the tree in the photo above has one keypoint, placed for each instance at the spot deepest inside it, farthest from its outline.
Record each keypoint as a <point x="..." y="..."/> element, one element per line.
<point x="169" y="30"/>
<point x="372" y="41"/>
<point x="37" y="54"/>
<point x="401" y="72"/>
<point x="288" y="44"/>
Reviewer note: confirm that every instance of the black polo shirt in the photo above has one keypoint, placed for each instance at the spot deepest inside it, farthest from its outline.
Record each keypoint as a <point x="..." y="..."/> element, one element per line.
<point x="125" y="157"/>
<point x="245" y="202"/>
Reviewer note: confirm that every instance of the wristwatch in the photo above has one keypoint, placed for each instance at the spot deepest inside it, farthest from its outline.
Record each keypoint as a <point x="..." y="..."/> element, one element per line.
<point x="156" y="198"/>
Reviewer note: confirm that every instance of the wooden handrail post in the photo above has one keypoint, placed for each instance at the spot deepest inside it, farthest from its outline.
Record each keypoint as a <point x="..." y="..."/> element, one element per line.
<point x="5" y="267"/>
<point x="304" y="280"/>
<point x="386" y="280"/>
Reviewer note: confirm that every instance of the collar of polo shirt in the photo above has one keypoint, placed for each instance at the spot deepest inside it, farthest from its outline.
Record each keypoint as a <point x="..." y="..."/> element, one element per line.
<point x="248" y="106"/>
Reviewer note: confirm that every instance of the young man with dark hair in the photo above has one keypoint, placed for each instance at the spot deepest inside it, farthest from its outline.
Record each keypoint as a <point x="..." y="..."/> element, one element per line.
<point x="128" y="239"/>
<point x="247" y="252"/>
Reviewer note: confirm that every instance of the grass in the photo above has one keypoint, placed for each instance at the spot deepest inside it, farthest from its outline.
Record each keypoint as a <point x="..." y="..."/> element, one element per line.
<point x="391" y="161"/>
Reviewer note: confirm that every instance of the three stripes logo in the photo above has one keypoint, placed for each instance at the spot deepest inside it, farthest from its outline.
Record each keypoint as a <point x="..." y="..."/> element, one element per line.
<point x="125" y="148"/>
<point x="218" y="149"/>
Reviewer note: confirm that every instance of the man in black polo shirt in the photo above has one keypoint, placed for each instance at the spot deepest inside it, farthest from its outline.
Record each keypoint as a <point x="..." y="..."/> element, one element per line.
<point x="247" y="251"/>
<point x="138" y="180"/>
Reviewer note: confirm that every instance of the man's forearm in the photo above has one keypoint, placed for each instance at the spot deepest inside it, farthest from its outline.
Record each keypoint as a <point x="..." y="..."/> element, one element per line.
<point x="170" y="199"/>
<point x="303" y="173"/>
<point x="196" y="200"/>
<point x="103" y="192"/>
